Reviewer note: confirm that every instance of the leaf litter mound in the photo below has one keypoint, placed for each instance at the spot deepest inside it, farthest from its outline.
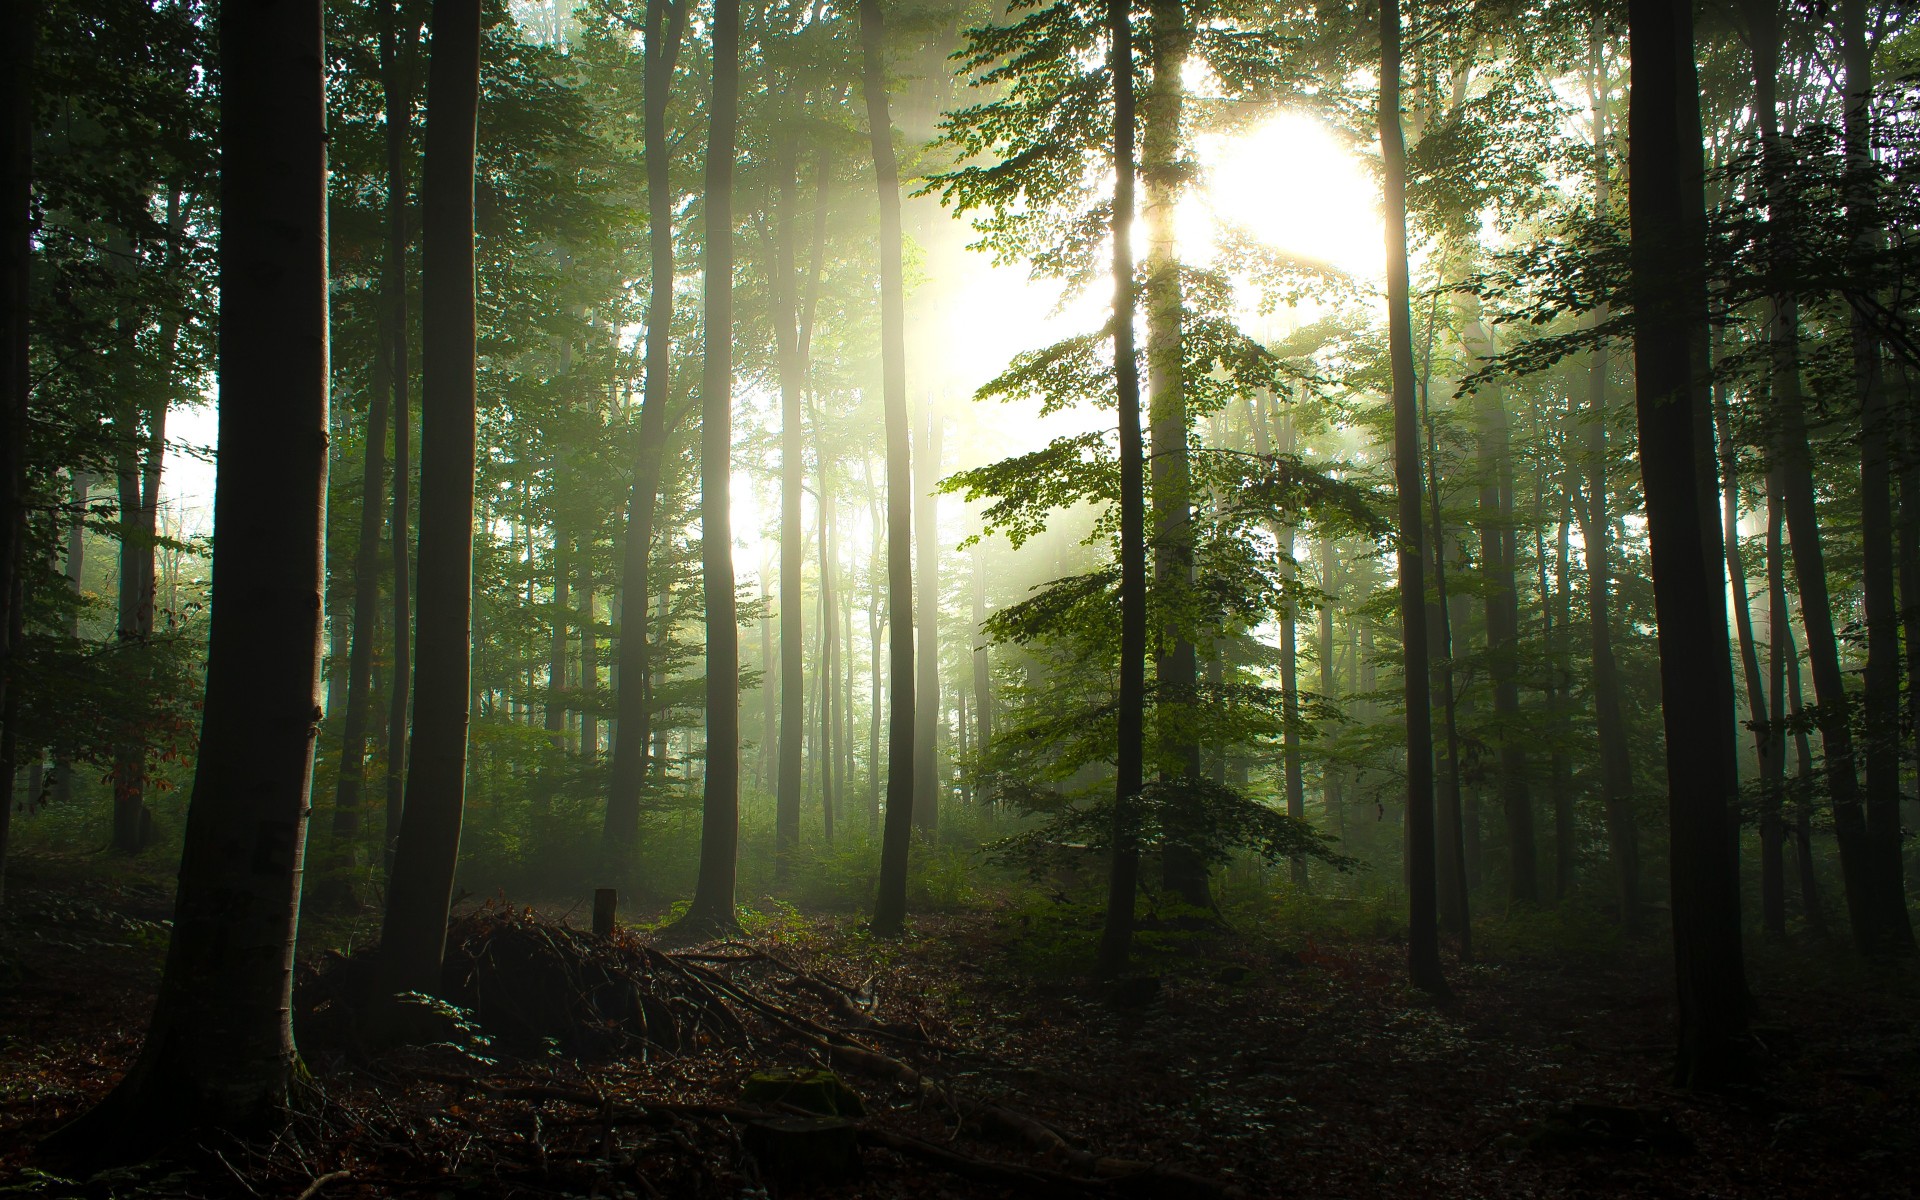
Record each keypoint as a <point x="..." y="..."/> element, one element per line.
<point x="556" y="1061"/>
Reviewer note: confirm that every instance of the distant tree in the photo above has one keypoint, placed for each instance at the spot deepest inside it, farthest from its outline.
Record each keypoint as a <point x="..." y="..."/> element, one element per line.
<point x="220" y="1047"/>
<point x="665" y="23"/>
<point x="413" y="937"/>
<point x="890" y="908"/>
<point x="16" y="256"/>
<point x="1423" y="937"/>
<point x="713" y="899"/>
<point x="1123" y="872"/>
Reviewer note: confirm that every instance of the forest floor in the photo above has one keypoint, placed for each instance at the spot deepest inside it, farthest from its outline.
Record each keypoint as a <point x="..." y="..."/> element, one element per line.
<point x="1270" y="1063"/>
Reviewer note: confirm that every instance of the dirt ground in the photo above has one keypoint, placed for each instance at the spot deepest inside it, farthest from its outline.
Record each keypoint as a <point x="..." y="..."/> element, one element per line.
<point x="1262" y="1064"/>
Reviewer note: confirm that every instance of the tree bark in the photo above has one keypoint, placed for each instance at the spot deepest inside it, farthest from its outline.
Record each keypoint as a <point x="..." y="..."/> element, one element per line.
<point x="890" y="906"/>
<point x="1423" y="934"/>
<point x="1123" y="874"/>
<point x="632" y="730"/>
<point x="397" y="73"/>
<point x="1616" y="764"/>
<point x="1881" y="694"/>
<point x="1176" y="662"/>
<point x="420" y="891"/>
<point x="713" y="894"/>
<point x="16" y="257"/>
<point x="982" y="668"/>
<point x="926" y="528"/>
<point x="1668" y="215"/>
<point x="220" y="1051"/>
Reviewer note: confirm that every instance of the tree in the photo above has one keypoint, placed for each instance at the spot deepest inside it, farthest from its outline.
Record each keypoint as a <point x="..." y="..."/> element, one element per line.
<point x="16" y="257"/>
<point x="665" y="23"/>
<point x="1423" y="937"/>
<point x="1667" y="213"/>
<point x="414" y="934"/>
<point x="1116" y="932"/>
<point x="712" y="909"/>
<point x="896" y="837"/>
<point x="397" y="76"/>
<point x="220" y="1047"/>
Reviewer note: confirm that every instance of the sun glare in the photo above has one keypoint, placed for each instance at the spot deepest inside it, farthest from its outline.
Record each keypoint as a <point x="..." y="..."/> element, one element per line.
<point x="1292" y="183"/>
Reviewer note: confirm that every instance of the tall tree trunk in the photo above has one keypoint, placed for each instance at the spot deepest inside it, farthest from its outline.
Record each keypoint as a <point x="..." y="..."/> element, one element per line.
<point x="787" y="796"/>
<point x="220" y="1048"/>
<point x="589" y="652"/>
<point x="554" y="709"/>
<point x="414" y="935"/>
<point x="876" y="599"/>
<point x="982" y="678"/>
<point x="1176" y="662"/>
<point x="1616" y="764"/>
<point x="1866" y="910"/>
<point x="926" y="528"/>
<point x="1423" y="933"/>
<point x="1495" y="521"/>
<point x="82" y="483"/>
<point x="1123" y="874"/>
<point x="890" y="906"/>
<point x="1737" y="578"/>
<point x="712" y="908"/>
<point x="1452" y="885"/>
<point x="16" y="257"/>
<point x="1330" y="772"/>
<point x="1559" y="605"/>
<point x="826" y="750"/>
<point x="1881" y="694"/>
<point x="397" y="66"/>
<point x="1803" y="785"/>
<point x="1773" y="889"/>
<point x="632" y="729"/>
<point x="366" y="600"/>
<point x="1668" y="216"/>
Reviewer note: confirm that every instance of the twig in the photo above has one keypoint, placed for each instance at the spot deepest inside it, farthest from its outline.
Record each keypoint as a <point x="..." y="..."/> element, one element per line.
<point x="313" y="1189"/>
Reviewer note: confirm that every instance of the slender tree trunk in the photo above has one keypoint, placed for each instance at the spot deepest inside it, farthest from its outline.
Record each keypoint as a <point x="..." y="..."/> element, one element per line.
<point x="554" y="709"/>
<point x="1176" y="662"/>
<point x="1452" y="888"/>
<point x="792" y="538"/>
<point x="712" y="908"/>
<point x="1616" y="764"/>
<point x="1668" y="214"/>
<point x="220" y="1047"/>
<point x="1803" y="785"/>
<point x="1330" y="798"/>
<point x="1737" y="577"/>
<point x="982" y="676"/>
<point x="876" y="599"/>
<point x="397" y="64"/>
<point x="1423" y="934"/>
<point x="1793" y="462"/>
<point x="926" y="528"/>
<point x="1773" y="889"/>
<point x="1123" y="875"/>
<point x="589" y="653"/>
<point x="414" y="935"/>
<point x="82" y="483"/>
<point x="16" y="257"/>
<point x="826" y="750"/>
<point x="366" y="599"/>
<point x="1559" y="609"/>
<point x="632" y="730"/>
<point x="1881" y="694"/>
<point x="890" y="907"/>
<point x="1503" y="640"/>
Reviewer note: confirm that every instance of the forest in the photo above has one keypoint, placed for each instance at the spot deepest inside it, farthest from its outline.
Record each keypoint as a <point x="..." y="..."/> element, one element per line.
<point x="964" y="598"/>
